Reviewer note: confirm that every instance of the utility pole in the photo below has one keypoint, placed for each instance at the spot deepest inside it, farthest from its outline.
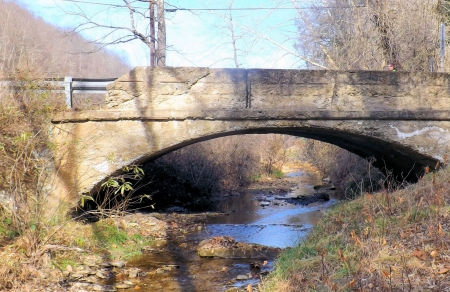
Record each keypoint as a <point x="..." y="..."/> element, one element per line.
<point x="161" y="50"/>
<point x="442" y="46"/>
<point x="152" y="34"/>
<point x="157" y="38"/>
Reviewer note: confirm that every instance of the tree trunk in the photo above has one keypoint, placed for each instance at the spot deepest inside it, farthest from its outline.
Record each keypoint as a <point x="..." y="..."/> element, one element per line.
<point x="161" y="37"/>
<point x="152" y="34"/>
<point x="388" y="44"/>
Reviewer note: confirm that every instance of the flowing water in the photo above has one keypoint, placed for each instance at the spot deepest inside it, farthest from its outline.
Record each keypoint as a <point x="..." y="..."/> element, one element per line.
<point x="255" y="218"/>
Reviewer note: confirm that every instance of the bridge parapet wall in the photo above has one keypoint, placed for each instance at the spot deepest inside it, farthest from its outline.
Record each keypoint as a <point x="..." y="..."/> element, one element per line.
<point x="178" y="88"/>
<point x="257" y="93"/>
<point x="401" y="118"/>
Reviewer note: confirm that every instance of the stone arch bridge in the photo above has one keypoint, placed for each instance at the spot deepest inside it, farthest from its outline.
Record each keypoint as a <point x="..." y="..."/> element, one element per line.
<point x="401" y="119"/>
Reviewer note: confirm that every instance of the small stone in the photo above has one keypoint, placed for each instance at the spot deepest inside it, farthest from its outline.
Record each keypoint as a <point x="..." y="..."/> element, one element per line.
<point x="148" y="248"/>
<point x="80" y="285"/>
<point x="86" y="272"/>
<point x="90" y="262"/>
<point x="103" y="288"/>
<point x="103" y="274"/>
<point x="117" y="264"/>
<point x="123" y="286"/>
<point x="171" y="267"/>
<point x="91" y="279"/>
<point x="133" y="273"/>
<point x="77" y="276"/>
<point x="79" y="268"/>
<point x="242" y="277"/>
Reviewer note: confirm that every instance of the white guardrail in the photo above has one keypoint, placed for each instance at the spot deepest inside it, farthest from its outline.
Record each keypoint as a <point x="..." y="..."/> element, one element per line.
<point x="68" y="85"/>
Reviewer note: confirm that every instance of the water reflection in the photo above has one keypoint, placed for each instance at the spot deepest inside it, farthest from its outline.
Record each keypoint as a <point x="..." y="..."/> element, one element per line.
<point x="268" y="219"/>
<point x="256" y="218"/>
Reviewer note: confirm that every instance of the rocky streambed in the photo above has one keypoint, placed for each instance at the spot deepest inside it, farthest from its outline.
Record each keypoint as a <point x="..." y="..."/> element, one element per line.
<point x="226" y="251"/>
<point x="177" y="262"/>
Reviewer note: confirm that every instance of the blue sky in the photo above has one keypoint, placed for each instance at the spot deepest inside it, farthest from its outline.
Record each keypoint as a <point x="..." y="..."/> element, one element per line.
<point x="265" y="38"/>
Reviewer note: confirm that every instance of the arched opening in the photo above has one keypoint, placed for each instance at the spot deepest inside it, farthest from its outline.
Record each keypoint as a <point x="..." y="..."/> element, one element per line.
<point x="391" y="153"/>
<point x="400" y="162"/>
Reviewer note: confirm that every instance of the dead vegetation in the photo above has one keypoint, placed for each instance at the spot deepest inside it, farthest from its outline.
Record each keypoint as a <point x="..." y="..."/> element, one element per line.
<point x="30" y="241"/>
<point x="366" y="35"/>
<point x="393" y="240"/>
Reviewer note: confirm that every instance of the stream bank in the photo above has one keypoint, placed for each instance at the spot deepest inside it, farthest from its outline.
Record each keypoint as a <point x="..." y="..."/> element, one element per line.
<point x="272" y="213"/>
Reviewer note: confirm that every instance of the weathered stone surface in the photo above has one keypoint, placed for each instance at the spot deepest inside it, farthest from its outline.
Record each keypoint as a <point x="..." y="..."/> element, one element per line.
<point x="185" y="88"/>
<point x="402" y="119"/>
<point x="226" y="247"/>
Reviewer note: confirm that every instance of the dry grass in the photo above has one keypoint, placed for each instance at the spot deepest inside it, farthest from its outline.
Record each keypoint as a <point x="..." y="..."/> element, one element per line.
<point x="388" y="241"/>
<point x="30" y="269"/>
<point x="35" y="247"/>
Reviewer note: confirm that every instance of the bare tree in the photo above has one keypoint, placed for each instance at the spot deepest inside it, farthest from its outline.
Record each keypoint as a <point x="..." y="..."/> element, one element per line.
<point x="342" y="34"/>
<point x="226" y="35"/>
<point x="263" y="30"/>
<point x="112" y="29"/>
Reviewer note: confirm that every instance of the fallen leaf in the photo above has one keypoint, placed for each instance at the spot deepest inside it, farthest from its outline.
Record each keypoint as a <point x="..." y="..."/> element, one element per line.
<point x="433" y="253"/>
<point x="144" y="232"/>
<point x="249" y="288"/>
<point x="443" y="270"/>
<point x="441" y="232"/>
<point x="420" y="254"/>
<point x="366" y="231"/>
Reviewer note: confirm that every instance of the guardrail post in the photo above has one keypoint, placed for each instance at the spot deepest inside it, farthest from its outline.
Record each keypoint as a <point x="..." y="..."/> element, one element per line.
<point x="68" y="89"/>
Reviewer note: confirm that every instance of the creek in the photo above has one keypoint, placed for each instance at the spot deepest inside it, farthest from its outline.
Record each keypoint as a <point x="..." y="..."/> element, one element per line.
<point x="264" y="217"/>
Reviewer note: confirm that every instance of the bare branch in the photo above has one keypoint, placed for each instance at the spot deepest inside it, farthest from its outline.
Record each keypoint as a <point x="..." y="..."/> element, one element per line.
<point x="315" y="34"/>
<point x="284" y="48"/>
<point x="114" y="32"/>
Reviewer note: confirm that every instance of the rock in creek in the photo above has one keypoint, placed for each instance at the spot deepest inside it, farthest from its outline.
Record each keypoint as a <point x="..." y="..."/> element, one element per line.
<point x="328" y="186"/>
<point x="226" y="247"/>
<point x="309" y="199"/>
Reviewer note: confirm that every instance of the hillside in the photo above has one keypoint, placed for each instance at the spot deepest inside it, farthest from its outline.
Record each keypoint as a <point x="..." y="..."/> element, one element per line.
<point x="393" y="240"/>
<point x="28" y="44"/>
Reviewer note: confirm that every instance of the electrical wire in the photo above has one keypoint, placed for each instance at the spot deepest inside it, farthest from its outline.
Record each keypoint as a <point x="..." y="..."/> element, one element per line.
<point x="221" y="9"/>
<point x="260" y="8"/>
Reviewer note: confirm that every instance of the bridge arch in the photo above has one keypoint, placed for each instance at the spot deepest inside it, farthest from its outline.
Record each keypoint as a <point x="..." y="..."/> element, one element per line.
<point x="401" y="119"/>
<point x="404" y="162"/>
<point x="113" y="145"/>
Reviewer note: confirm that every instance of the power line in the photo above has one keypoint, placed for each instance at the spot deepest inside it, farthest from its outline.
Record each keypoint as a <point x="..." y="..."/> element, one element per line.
<point x="95" y="3"/>
<point x="261" y="8"/>
<point x="221" y="9"/>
